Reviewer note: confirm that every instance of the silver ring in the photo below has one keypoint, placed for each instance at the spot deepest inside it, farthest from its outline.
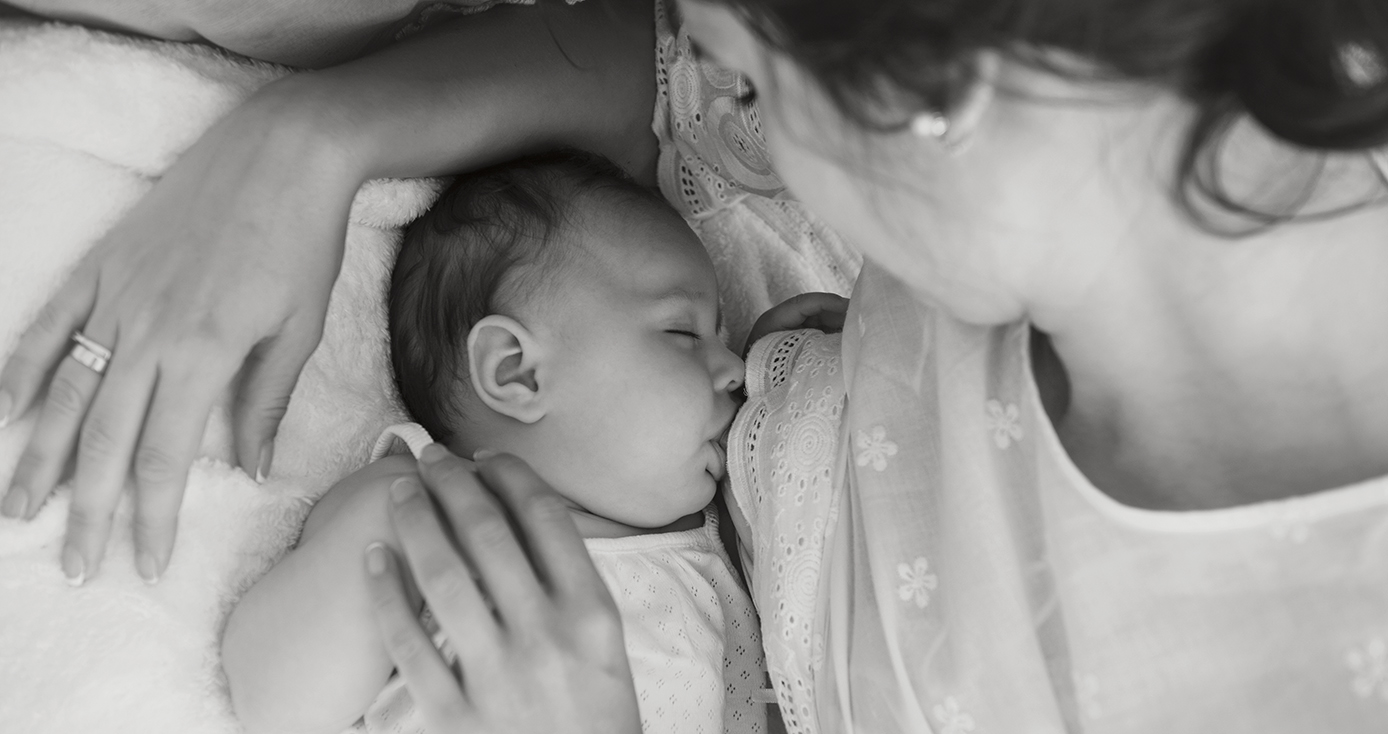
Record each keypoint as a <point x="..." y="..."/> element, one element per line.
<point x="89" y="354"/>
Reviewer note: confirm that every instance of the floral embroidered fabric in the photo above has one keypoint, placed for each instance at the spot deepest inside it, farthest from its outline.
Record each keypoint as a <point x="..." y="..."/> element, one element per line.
<point x="972" y="579"/>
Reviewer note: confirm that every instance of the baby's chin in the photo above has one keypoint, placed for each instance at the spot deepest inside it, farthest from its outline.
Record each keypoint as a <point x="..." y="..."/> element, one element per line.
<point x="597" y="526"/>
<point x="674" y="511"/>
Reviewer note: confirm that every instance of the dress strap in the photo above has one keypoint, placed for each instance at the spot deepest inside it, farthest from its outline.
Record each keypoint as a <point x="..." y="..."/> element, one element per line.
<point x="412" y="434"/>
<point x="1379" y="157"/>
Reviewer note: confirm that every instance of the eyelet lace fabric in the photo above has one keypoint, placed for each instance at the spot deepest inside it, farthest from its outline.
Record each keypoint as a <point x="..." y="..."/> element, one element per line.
<point x="783" y="449"/>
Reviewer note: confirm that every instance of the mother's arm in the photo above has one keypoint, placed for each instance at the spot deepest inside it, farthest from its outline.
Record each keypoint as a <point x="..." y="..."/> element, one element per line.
<point x="305" y="33"/>
<point x="222" y="272"/>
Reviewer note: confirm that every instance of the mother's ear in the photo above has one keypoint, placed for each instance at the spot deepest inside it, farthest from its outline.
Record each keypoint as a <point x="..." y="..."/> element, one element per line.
<point x="955" y="127"/>
<point x="505" y="358"/>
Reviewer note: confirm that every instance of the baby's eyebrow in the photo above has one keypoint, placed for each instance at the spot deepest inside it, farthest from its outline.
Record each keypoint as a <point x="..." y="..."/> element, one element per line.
<point x="690" y="298"/>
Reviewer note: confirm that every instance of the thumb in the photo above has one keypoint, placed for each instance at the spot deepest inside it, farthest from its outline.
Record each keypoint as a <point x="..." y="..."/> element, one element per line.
<point x="267" y="380"/>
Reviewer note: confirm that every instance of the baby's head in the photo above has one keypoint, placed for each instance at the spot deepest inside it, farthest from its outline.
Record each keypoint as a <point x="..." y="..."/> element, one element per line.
<point x="555" y="309"/>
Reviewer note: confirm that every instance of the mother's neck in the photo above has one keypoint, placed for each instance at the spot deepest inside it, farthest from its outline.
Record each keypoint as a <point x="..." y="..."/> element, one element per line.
<point x="1206" y="371"/>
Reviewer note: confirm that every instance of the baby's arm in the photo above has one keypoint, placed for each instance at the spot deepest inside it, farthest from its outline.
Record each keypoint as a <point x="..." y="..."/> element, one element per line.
<point x="301" y="650"/>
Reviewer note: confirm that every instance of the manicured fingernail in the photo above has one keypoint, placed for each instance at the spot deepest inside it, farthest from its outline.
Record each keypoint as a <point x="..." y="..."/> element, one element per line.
<point x="6" y="405"/>
<point x="376" y="559"/>
<point x="433" y="453"/>
<point x="148" y="567"/>
<point x="16" y="502"/>
<point x="484" y="454"/>
<point x="74" y="568"/>
<point x="267" y="457"/>
<point x="403" y="489"/>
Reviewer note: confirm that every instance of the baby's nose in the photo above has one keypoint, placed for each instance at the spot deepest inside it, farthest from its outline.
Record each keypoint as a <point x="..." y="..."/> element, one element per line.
<point x="730" y="372"/>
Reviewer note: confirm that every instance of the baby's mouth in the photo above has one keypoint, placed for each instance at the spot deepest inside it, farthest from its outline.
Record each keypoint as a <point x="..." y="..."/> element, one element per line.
<point x="720" y="467"/>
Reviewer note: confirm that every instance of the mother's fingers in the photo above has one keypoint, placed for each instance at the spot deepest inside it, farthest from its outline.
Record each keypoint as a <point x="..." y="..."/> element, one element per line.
<point x="486" y="535"/>
<point x="443" y="577"/>
<point x="173" y="430"/>
<point x="45" y="457"/>
<point x="262" y="399"/>
<point x="44" y="344"/>
<point x="105" y="440"/>
<point x="556" y="548"/>
<point x="567" y="672"/>
<point x="428" y="677"/>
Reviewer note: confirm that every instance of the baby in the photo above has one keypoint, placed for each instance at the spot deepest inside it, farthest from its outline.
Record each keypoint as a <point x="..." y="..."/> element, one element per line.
<point x="556" y="310"/>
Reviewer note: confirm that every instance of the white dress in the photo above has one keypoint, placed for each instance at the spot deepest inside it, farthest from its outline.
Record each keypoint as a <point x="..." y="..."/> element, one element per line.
<point x="690" y="631"/>
<point x="943" y="567"/>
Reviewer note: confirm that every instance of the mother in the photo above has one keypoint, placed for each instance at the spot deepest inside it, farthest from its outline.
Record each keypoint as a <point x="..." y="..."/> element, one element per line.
<point x="1115" y="439"/>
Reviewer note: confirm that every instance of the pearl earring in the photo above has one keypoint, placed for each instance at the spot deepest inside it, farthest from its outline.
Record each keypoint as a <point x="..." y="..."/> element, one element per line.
<point x="1362" y="66"/>
<point x="930" y="124"/>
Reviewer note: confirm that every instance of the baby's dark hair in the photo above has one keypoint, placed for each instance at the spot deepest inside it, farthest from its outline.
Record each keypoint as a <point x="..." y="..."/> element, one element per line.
<point x="460" y="262"/>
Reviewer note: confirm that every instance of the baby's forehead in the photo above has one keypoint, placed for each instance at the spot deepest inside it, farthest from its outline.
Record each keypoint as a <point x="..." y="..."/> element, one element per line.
<point x="608" y="221"/>
<point x="634" y="253"/>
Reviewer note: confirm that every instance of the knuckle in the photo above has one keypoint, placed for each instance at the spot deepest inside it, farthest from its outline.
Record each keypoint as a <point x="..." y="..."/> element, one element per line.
<point x="50" y="319"/>
<point x="598" y="624"/>
<point x="490" y="532"/>
<point x="445" y="581"/>
<point x="208" y="331"/>
<point x="450" y="471"/>
<point x="65" y="396"/>
<point x="147" y="320"/>
<point x="405" y="643"/>
<point x="20" y="369"/>
<point x="31" y="464"/>
<point x="545" y="508"/>
<point x="84" y="517"/>
<point x="147" y="528"/>
<point x="97" y="439"/>
<point x="274" y="408"/>
<point x="154" y="466"/>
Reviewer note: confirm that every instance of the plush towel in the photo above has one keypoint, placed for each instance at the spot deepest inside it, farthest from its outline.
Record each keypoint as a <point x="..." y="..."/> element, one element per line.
<point x="88" y="121"/>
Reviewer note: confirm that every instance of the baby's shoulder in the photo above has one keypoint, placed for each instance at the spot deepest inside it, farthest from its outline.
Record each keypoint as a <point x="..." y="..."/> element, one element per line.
<point x="364" y="491"/>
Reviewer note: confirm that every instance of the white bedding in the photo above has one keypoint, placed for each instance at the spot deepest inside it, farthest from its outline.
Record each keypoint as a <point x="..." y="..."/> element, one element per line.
<point x="87" y="122"/>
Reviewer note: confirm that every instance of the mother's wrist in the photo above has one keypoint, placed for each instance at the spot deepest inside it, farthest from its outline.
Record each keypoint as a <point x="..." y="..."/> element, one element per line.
<point x="304" y="126"/>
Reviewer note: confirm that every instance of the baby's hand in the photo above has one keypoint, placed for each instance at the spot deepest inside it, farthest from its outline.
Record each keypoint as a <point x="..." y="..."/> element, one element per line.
<point x="823" y="311"/>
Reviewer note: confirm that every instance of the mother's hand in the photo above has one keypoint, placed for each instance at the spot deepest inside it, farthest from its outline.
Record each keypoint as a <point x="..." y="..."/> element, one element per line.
<point x="221" y="272"/>
<point x="538" y="637"/>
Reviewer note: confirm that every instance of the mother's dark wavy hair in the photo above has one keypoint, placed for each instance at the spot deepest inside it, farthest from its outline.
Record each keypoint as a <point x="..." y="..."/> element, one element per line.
<point x="1312" y="72"/>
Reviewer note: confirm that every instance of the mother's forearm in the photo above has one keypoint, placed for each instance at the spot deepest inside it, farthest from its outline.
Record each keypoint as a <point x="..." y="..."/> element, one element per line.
<point x="482" y="89"/>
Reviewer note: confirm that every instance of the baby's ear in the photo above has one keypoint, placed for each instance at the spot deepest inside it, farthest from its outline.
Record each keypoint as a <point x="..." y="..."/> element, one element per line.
<point x="503" y="356"/>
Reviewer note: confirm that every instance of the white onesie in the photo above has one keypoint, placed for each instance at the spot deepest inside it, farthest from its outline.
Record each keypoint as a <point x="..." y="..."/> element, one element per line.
<point x="691" y="633"/>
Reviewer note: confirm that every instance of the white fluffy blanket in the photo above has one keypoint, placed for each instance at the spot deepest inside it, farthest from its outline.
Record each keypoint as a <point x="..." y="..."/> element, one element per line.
<point x="87" y="122"/>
